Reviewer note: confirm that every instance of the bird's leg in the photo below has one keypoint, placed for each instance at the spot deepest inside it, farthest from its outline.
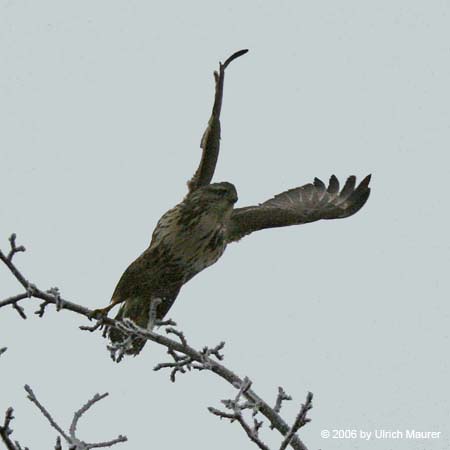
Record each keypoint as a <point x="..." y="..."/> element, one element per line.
<point x="103" y="312"/>
<point x="152" y="313"/>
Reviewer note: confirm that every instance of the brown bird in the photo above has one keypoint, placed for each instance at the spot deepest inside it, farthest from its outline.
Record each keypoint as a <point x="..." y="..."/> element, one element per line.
<point x="194" y="234"/>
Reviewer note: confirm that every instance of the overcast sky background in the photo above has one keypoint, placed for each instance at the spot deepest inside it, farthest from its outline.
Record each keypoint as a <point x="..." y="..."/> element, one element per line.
<point x="102" y="106"/>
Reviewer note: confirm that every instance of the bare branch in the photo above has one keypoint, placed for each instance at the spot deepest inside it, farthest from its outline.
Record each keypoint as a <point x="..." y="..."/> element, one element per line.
<point x="98" y="325"/>
<point x="74" y="442"/>
<point x="280" y="398"/>
<point x="77" y="415"/>
<point x="299" y="422"/>
<point x="5" y="432"/>
<point x="52" y="296"/>
<point x="177" y="333"/>
<point x="19" y="447"/>
<point x="19" y="310"/>
<point x="54" y="291"/>
<point x="237" y="406"/>
<point x="14" y="299"/>
<point x="14" y="248"/>
<point x="46" y="414"/>
<point x="7" y="259"/>
<point x="252" y="432"/>
<point x="207" y="352"/>
<point x="185" y="357"/>
<point x="110" y="443"/>
<point x="41" y="311"/>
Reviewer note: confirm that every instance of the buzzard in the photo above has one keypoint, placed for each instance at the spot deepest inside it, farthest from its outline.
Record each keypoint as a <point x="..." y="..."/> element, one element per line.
<point x="194" y="234"/>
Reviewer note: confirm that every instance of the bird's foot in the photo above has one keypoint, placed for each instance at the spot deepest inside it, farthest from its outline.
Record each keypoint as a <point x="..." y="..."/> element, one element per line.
<point x="99" y="314"/>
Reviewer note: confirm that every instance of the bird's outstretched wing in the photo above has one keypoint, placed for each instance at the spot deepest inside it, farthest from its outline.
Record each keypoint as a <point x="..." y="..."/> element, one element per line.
<point x="210" y="142"/>
<point x="308" y="203"/>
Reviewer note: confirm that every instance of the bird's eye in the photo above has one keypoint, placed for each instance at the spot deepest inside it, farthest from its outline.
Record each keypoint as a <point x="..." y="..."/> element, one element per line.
<point x="220" y="191"/>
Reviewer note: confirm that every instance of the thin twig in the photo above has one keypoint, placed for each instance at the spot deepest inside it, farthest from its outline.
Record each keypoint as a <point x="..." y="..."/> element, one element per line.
<point x="19" y="310"/>
<point x="14" y="248"/>
<point x="98" y="325"/>
<point x="5" y="431"/>
<point x="238" y="417"/>
<point x="45" y="413"/>
<point x="77" y="415"/>
<point x="14" y="299"/>
<point x="110" y="443"/>
<point x="74" y="442"/>
<point x="280" y="398"/>
<point x="41" y="311"/>
<point x="179" y="334"/>
<point x="299" y="422"/>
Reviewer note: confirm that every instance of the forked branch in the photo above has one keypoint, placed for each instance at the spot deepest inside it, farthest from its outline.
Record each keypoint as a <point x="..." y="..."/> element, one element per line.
<point x="74" y="442"/>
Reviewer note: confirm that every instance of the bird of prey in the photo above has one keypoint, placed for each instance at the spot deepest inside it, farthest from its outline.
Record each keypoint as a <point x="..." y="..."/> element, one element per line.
<point x="194" y="234"/>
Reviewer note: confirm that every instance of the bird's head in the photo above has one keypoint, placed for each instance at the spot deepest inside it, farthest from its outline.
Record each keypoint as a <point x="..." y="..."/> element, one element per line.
<point x="217" y="198"/>
<point x="223" y="192"/>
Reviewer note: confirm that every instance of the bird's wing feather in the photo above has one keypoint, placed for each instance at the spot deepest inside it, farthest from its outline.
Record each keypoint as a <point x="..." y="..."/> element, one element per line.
<point x="210" y="143"/>
<point x="308" y="203"/>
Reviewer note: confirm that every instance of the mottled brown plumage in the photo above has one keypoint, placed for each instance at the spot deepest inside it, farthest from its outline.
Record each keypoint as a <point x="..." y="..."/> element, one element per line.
<point x="194" y="234"/>
<point x="187" y="239"/>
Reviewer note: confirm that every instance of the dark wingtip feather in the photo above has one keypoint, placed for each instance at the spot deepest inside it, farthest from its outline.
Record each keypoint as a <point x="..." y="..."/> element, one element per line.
<point x="333" y="185"/>
<point x="319" y="183"/>
<point x="348" y="187"/>
<point x="358" y="202"/>
<point x="365" y="182"/>
<point x="362" y="187"/>
<point x="358" y="197"/>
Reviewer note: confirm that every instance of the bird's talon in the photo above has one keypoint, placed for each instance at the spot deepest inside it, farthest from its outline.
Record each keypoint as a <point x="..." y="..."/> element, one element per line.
<point x="98" y="314"/>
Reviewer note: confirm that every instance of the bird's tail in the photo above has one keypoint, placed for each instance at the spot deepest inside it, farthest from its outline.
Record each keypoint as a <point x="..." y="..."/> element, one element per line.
<point x="138" y="311"/>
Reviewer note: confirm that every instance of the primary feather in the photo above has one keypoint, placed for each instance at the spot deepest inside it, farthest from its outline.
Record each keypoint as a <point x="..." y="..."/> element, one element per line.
<point x="308" y="203"/>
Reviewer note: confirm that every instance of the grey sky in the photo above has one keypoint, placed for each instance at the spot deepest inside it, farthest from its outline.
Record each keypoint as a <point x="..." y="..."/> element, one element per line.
<point x="102" y="106"/>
